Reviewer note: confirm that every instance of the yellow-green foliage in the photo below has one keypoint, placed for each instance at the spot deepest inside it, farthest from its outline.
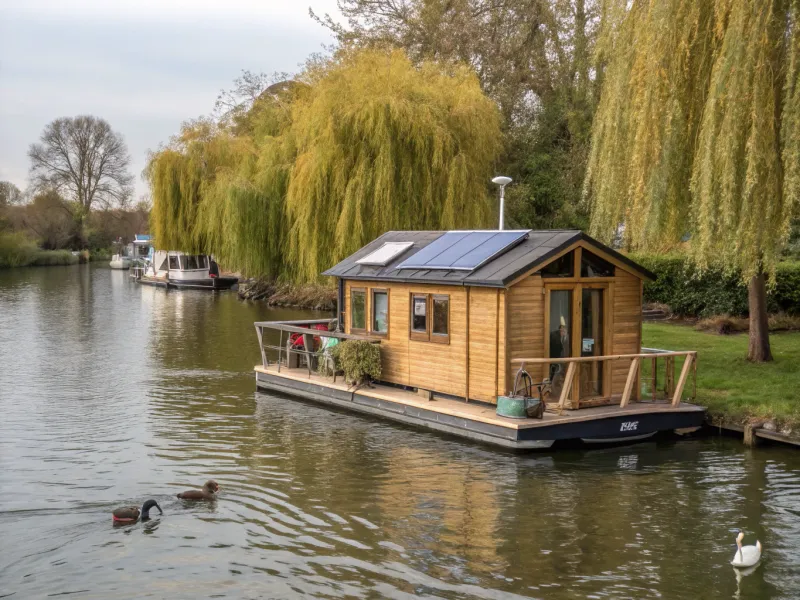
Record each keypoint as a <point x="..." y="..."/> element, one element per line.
<point x="314" y="170"/>
<point x="698" y="128"/>
<point x="385" y="145"/>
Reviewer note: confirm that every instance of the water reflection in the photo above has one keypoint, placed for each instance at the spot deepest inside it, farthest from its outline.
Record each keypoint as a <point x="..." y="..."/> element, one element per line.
<point x="112" y="393"/>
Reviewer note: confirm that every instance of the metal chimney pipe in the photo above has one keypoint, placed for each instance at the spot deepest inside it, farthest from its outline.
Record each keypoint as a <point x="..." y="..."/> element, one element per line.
<point x="502" y="181"/>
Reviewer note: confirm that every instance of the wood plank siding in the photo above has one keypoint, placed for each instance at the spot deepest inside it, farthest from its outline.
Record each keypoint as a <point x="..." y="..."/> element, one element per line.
<point x="500" y="325"/>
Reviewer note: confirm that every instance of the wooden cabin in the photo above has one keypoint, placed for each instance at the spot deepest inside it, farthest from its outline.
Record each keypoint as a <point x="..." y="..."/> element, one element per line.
<point x="454" y="309"/>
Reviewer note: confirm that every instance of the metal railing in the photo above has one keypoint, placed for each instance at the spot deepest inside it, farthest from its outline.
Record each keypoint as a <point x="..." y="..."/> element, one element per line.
<point x="304" y="328"/>
<point x="673" y="390"/>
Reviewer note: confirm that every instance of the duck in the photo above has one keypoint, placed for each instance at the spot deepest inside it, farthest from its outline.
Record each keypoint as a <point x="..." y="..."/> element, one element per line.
<point x="746" y="556"/>
<point x="131" y="514"/>
<point x="209" y="492"/>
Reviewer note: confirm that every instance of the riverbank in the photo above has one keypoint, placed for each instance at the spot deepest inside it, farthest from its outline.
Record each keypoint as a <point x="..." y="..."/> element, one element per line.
<point x="311" y="296"/>
<point x="735" y="391"/>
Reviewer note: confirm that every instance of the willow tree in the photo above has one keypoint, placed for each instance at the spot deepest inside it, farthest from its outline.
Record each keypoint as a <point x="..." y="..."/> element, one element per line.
<point x="383" y="144"/>
<point x="698" y="132"/>
<point x="312" y="170"/>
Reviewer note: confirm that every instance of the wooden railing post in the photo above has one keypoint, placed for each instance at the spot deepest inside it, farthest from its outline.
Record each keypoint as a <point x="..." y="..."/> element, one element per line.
<point x="669" y="376"/>
<point x="655" y="377"/>
<point x="630" y="382"/>
<point x="264" y="361"/>
<point x="566" y="388"/>
<point x="687" y="366"/>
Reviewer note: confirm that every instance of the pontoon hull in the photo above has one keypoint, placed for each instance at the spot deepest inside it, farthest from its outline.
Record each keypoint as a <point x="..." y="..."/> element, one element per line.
<point x="611" y="425"/>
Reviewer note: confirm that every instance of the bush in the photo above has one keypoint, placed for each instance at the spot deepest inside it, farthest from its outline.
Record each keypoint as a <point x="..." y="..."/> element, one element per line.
<point x="690" y="293"/>
<point x="16" y="250"/>
<point x="53" y="258"/>
<point x="323" y="366"/>
<point x="360" y="360"/>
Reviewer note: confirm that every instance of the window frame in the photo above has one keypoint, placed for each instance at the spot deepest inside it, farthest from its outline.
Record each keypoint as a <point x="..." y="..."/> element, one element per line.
<point x="372" y="292"/>
<point x="416" y="334"/>
<point x="361" y="290"/>
<point x="440" y="338"/>
<point x="428" y="335"/>
<point x="177" y="263"/>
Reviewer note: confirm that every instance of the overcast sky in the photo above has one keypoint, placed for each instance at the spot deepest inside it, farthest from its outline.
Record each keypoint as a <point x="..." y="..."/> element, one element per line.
<point x="143" y="65"/>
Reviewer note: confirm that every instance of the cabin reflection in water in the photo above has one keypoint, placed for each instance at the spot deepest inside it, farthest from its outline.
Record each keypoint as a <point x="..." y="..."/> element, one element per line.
<point x="457" y="313"/>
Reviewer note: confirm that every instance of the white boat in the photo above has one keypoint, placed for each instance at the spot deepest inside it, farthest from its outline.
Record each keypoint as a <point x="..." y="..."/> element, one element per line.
<point x="178" y="270"/>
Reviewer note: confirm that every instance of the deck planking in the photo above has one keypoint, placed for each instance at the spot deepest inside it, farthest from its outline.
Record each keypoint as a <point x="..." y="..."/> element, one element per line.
<point x="476" y="411"/>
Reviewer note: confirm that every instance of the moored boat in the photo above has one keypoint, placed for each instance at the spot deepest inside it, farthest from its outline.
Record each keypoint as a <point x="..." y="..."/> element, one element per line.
<point x="173" y="269"/>
<point x="458" y="314"/>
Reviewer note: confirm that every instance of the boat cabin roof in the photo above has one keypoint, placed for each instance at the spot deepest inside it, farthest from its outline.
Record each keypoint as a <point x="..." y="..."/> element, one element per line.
<point x="490" y="258"/>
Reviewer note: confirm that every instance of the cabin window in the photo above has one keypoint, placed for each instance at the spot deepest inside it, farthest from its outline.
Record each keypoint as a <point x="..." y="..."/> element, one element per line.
<point x="419" y="316"/>
<point x="202" y="262"/>
<point x="173" y="263"/>
<point x="189" y="262"/>
<point x="430" y="318"/>
<point x="380" y="312"/>
<point x="594" y="266"/>
<point x="563" y="266"/>
<point x="163" y="266"/>
<point x="358" y="309"/>
<point x="440" y="326"/>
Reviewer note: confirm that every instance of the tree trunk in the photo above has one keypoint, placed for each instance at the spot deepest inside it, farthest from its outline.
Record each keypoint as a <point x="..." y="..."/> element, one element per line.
<point x="759" y="349"/>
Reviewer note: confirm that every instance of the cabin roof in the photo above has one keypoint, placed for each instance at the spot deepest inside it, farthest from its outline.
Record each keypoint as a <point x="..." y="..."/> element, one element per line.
<point x="500" y="271"/>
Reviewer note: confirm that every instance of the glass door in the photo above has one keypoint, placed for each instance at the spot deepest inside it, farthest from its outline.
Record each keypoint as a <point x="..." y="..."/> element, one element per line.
<point x="560" y="335"/>
<point x="592" y="343"/>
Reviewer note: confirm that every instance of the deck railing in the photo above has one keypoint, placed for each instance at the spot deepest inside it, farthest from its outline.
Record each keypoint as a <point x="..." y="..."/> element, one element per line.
<point x="673" y="390"/>
<point x="304" y="328"/>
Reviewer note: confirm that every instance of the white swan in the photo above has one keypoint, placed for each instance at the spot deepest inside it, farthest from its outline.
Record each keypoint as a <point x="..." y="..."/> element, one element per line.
<point x="746" y="556"/>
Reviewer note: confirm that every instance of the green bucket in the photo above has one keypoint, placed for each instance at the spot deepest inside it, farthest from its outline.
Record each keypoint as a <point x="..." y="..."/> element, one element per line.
<point x="516" y="407"/>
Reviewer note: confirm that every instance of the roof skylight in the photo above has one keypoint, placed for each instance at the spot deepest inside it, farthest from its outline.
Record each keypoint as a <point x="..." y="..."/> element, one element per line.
<point x="384" y="255"/>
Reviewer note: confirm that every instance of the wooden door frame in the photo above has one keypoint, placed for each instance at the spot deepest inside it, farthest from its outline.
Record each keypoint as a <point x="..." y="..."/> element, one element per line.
<point x="549" y="285"/>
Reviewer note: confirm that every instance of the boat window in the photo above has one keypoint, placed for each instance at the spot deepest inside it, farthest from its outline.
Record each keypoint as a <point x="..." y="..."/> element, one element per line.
<point x="202" y="262"/>
<point x="173" y="263"/>
<point x="594" y="266"/>
<point x="358" y="309"/>
<point x="440" y="326"/>
<point x="189" y="262"/>
<point x="563" y="266"/>
<point x="419" y="316"/>
<point x="163" y="266"/>
<point x="380" y="312"/>
<point x="430" y="318"/>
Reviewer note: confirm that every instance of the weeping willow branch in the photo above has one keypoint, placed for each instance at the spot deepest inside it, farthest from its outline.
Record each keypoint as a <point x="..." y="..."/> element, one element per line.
<point x="366" y="143"/>
<point x="698" y="129"/>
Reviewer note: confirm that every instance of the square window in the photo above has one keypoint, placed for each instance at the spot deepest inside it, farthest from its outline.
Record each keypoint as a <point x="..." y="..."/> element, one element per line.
<point x="173" y="263"/>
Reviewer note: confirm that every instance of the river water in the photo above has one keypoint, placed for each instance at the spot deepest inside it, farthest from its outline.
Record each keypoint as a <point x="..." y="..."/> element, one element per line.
<point x="112" y="393"/>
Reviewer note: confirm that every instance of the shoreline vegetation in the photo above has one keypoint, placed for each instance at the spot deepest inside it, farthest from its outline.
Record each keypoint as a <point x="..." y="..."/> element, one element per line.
<point x="16" y="250"/>
<point x="734" y="390"/>
<point x="311" y="296"/>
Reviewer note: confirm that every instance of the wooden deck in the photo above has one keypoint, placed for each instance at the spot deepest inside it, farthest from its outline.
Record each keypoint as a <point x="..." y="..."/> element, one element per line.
<point x="478" y="421"/>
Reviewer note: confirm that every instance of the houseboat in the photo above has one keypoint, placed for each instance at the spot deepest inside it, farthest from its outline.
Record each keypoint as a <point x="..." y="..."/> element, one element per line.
<point x="458" y="315"/>
<point x="173" y="269"/>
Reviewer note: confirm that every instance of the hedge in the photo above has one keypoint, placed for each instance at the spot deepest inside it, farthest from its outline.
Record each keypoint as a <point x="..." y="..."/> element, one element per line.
<point x="690" y="293"/>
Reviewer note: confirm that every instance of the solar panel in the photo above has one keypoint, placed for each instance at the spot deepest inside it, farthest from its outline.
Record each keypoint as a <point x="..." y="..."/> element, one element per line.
<point x="383" y="255"/>
<point x="463" y="250"/>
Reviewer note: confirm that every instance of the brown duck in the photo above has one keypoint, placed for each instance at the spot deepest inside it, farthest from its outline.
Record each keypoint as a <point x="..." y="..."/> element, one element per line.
<point x="131" y="514"/>
<point x="209" y="492"/>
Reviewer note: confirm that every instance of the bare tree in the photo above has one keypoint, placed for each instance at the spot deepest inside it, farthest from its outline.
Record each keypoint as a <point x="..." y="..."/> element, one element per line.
<point x="9" y="194"/>
<point x="85" y="161"/>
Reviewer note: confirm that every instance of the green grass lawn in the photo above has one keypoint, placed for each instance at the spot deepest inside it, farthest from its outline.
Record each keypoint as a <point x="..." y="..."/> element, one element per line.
<point x="732" y="388"/>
